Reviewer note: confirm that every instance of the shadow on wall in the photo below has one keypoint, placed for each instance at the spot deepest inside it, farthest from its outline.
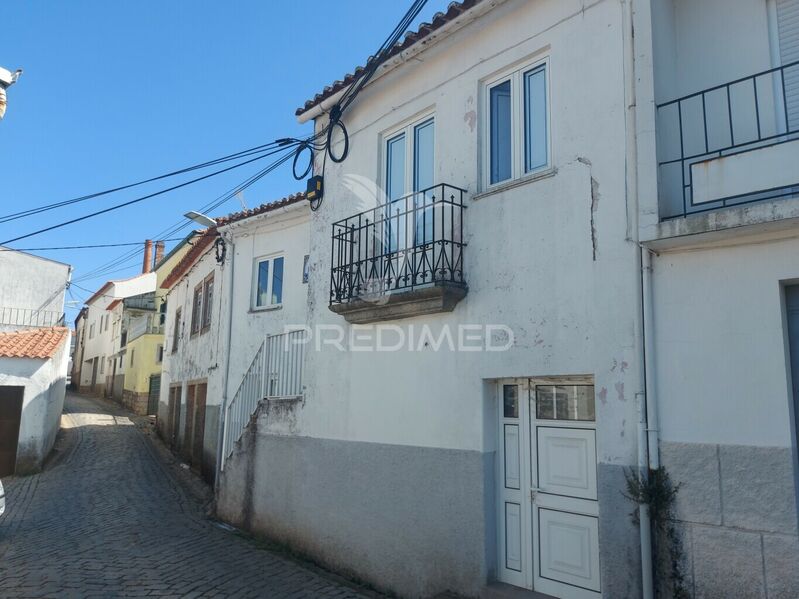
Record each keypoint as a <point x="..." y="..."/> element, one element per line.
<point x="39" y="424"/>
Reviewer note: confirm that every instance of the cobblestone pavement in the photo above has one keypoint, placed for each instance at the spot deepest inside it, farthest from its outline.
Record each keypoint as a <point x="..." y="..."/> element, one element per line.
<point x="108" y="517"/>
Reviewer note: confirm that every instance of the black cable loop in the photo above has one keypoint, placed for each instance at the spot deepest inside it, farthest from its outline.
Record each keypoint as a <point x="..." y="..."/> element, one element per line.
<point x="300" y="149"/>
<point x="346" y="150"/>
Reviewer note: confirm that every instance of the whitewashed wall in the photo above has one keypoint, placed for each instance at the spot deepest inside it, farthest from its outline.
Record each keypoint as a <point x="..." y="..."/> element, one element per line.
<point x="32" y="282"/>
<point x="43" y="401"/>
<point x="529" y="262"/>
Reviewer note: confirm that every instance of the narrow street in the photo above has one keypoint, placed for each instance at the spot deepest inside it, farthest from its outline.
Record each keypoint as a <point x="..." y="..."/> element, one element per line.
<point x="108" y="517"/>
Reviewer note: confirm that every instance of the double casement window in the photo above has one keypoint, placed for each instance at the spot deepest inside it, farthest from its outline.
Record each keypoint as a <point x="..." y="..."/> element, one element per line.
<point x="517" y="123"/>
<point x="202" y="304"/>
<point x="408" y="176"/>
<point x="268" y="283"/>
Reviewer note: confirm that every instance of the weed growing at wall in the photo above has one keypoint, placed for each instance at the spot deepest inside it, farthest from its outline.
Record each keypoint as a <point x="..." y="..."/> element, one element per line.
<point x="658" y="493"/>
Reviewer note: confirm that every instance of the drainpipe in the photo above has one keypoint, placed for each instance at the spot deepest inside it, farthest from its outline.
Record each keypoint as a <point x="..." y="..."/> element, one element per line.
<point x="648" y="455"/>
<point x="231" y="251"/>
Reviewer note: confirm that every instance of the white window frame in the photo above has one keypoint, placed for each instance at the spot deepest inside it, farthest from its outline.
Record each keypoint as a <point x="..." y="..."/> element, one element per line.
<point x="407" y="128"/>
<point x="515" y="75"/>
<point x="254" y="307"/>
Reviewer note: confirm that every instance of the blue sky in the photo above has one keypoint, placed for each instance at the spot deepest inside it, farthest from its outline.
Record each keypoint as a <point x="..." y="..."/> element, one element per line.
<point x="115" y="92"/>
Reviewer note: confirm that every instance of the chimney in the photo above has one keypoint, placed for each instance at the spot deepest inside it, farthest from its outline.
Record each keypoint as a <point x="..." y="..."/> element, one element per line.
<point x="159" y="253"/>
<point x="147" y="264"/>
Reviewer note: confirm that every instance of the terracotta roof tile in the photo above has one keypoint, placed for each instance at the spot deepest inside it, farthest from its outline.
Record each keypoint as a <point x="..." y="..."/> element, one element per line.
<point x="206" y="237"/>
<point x="424" y="30"/>
<point x="34" y="343"/>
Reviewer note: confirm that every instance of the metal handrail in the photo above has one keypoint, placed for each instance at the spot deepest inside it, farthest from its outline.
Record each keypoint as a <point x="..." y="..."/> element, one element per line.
<point x="276" y="372"/>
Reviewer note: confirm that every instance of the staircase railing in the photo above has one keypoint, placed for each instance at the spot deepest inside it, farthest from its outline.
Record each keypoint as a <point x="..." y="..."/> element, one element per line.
<point x="275" y="373"/>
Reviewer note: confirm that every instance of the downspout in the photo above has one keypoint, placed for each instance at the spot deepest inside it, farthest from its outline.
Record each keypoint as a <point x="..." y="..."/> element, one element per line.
<point x="645" y="398"/>
<point x="231" y="250"/>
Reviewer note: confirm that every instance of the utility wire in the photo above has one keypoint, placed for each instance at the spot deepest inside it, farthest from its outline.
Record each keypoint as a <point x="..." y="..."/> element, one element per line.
<point x="136" y="200"/>
<point x="82" y="247"/>
<point x="228" y="158"/>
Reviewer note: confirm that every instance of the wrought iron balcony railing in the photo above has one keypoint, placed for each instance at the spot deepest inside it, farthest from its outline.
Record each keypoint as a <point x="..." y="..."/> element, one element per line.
<point x="27" y="317"/>
<point x="410" y="242"/>
<point x="750" y="113"/>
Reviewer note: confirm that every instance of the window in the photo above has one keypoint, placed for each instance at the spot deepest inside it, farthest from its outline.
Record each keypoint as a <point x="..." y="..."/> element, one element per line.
<point x="518" y="124"/>
<point x="132" y="353"/>
<point x="409" y="168"/>
<point x="510" y="401"/>
<point x="102" y="365"/>
<point x="107" y="318"/>
<point x="159" y="354"/>
<point x="176" y="330"/>
<point x="208" y="301"/>
<point x="565" y="402"/>
<point x="268" y="288"/>
<point x="91" y="331"/>
<point x="196" y="309"/>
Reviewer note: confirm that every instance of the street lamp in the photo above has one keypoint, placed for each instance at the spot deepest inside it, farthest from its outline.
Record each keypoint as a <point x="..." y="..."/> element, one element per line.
<point x="200" y="219"/>
<point x="7" y="79"/>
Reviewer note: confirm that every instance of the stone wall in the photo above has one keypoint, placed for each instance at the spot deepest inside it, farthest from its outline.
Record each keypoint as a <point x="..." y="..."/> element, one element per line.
<point x="737" y="518"/>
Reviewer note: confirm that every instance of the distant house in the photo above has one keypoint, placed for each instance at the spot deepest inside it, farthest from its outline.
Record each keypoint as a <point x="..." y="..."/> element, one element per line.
<point x="33" y="375"/>
<point x="102" y="368"/>
<point x="141" y="342"/>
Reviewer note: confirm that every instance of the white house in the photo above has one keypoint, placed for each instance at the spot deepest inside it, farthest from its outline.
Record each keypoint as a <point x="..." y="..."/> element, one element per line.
<point x="240" y="282"/>
<point x="33" y="377"/>
<point x="32" y="290"/>
<point x="99" y="347"/>
<point x="717" y="96"/>
<point x="34" y="354"/>
<point x="472" y="384"/>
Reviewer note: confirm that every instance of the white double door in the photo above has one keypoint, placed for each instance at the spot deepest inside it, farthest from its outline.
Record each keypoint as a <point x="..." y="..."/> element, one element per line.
<point x="547" y="511"/>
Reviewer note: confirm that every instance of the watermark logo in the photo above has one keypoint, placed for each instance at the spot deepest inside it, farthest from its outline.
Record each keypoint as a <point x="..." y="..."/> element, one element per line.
<point x="396" y="338"/>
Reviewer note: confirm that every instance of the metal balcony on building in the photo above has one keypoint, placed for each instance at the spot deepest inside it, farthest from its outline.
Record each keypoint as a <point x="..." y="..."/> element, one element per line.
<point x="731" y="144"/>
<point x="402" y="258"/>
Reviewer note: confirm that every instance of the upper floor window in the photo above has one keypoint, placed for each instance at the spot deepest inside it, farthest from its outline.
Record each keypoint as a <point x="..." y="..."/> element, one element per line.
<point x="176" y="330"/>
<point x="208" y="300"/>
<point x="517" y="120"/>
<point x="196" y="308"/>
<point x="268" y="283"/>
<point x="91" y="331"/>
<point x="409" y="168"/>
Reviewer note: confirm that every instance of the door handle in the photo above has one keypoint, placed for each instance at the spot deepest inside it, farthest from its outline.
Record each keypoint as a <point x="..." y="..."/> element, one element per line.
<point x="533" y="492"/>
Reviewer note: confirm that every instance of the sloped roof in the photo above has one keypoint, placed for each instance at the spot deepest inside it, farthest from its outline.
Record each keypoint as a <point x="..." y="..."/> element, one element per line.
<point x="454" y="10"/>
<point x="34" y="343"/>
<point x="206" y="237"/>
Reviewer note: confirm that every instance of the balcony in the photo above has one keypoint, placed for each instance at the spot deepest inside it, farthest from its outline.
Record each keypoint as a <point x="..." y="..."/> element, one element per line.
<point x="401" y="258"/>
<point x="27" y="317"/>
<point x="730" y="145"/>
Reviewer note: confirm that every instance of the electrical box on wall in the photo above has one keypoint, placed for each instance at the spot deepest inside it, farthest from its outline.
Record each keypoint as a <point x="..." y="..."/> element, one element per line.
<point x="315" y="188"/>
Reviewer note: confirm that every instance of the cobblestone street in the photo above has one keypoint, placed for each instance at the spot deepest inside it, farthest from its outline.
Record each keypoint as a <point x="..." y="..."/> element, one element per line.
<point x="109" y="517"/>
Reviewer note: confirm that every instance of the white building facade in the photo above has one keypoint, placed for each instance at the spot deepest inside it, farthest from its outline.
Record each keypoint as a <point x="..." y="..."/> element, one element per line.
<point x="242" y="281"/>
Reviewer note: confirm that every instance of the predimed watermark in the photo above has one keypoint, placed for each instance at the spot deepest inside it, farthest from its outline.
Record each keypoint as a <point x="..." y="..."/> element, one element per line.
<point x="396" y="338"/>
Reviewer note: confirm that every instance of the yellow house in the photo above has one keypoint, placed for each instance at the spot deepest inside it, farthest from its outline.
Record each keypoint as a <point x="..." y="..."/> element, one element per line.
<point x="142" y="335"/>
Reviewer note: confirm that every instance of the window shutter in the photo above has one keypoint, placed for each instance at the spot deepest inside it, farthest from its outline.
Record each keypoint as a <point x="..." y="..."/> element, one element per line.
<point x="788" y="28"/>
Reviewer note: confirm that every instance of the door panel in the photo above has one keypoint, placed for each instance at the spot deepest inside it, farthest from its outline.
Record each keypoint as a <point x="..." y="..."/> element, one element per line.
<point x="568" y="548"/>
<point x="10" y="419"/>
<point x="513" y="536"/>
<point x="198" y="434"/>
<point x="567" y="461"/>
<point x="512" y="457"/>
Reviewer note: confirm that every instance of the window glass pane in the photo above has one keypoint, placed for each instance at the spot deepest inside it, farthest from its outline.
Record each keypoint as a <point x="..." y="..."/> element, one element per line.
<point x="423" y="166"/>
<point x="423" y="155"/>
<point x="395" y="189"/>
<point x="535" y="119"/>
<point x="500" y="132"/>
<point x="277" y="281"/>
<point x="565" y="402"/>
<point x="510" y="399"/>
<point x="261" y="297"/>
